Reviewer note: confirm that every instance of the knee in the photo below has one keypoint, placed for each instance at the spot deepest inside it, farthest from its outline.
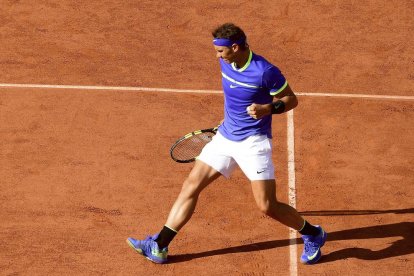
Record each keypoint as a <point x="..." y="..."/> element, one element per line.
<point x="191" y="187"/>
<point x="267" y="207"/>
<point x="270" y="208"/>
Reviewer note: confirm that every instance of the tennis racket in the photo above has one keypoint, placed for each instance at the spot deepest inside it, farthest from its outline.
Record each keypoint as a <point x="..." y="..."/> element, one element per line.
<point x="188" y="147"/>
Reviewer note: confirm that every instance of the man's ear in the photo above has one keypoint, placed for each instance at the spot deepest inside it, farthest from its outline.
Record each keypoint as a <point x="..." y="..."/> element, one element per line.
<point x="235" y="47"/>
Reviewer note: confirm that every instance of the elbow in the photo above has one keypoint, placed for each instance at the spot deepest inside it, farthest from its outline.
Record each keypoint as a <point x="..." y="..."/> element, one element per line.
<point x="294" y="102"/>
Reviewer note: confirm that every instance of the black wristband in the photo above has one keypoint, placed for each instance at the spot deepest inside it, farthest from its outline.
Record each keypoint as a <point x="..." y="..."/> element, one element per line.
<point x="278" y="107"/>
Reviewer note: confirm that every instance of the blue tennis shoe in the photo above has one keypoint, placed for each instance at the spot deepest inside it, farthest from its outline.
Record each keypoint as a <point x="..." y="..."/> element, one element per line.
<point x="312" y="250"/>
<point x="149" y="248"/>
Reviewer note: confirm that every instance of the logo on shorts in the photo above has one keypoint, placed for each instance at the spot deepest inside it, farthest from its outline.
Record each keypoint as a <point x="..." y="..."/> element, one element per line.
<point x="259" y="172"/>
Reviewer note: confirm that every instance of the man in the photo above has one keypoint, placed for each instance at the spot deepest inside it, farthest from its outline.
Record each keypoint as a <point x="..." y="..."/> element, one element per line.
<point x="250" y="83"/>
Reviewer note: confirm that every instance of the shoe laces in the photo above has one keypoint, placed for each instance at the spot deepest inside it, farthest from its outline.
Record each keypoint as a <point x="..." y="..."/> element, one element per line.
<point x="310" y="244"/>
<point x="150" y="241"/>
<point x="148" y="244"/>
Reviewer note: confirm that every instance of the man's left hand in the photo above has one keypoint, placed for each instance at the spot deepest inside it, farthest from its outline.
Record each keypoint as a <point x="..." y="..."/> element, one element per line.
<point x="258" y="111"/>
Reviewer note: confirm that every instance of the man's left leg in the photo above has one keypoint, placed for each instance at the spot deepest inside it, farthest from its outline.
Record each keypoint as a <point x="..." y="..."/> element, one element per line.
<point x="314" y="237"/>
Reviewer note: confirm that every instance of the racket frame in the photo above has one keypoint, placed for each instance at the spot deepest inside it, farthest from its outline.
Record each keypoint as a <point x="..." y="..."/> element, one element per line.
<point x="187" y="136"/>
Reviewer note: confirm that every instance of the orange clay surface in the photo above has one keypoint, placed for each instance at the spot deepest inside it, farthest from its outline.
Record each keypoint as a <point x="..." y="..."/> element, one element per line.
<point x="81" y="170"/>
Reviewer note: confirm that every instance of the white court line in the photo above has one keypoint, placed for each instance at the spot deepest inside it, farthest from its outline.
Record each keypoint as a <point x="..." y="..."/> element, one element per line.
<point x="292" y="190"/>
<point x="198" y="91"/>
<point x="118" y="88"/>
<point x="341" y="95"/>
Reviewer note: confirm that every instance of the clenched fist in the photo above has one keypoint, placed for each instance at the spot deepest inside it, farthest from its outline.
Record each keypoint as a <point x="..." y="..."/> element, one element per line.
<point x="258" y="111"/>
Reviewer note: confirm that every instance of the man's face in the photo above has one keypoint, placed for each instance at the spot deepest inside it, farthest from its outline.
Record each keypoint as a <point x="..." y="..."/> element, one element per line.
<point x="225" y="53"/>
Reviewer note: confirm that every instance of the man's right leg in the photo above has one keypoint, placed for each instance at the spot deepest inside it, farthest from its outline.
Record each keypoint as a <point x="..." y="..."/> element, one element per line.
<point x="155" y="248"/>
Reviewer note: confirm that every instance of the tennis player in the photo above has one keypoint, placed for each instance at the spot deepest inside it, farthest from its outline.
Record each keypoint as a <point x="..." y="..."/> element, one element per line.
<point x="254" y="90"/>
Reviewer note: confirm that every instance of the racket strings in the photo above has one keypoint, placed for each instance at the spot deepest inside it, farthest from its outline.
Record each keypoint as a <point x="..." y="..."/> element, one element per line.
<point x="191" y="147"/>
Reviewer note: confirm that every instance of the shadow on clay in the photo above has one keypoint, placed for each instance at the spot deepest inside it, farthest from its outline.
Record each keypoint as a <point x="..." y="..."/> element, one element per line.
<point x="401" y="247"/>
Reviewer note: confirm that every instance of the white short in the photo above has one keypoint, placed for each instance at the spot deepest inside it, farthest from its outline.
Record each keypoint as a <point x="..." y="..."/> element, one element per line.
<point x="253" y="155"/>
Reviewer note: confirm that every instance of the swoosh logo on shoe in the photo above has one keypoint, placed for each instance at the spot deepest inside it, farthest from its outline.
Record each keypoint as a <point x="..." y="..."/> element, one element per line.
<point x="310" y="258"/>
<point x="160" y="254"/>
<point x="260" y="172"/>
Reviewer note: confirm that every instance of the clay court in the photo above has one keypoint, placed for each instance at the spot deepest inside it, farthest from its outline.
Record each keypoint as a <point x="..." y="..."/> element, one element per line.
<point x="93" y="95"/>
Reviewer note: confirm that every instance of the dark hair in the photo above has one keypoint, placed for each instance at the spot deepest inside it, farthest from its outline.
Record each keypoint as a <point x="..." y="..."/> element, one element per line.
<point x="230" y="31"/>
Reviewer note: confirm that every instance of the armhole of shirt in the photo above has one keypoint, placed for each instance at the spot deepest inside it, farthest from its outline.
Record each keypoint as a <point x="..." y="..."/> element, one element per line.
<point x="275" y="92"/>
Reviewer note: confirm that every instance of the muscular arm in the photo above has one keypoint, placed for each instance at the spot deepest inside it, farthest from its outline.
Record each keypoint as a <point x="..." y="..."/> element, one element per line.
<point x="288" y="97"/>
<point x="258" y="111"/>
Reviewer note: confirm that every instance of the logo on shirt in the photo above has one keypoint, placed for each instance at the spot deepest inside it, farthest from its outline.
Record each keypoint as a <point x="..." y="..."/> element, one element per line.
<point x="233" y="86"/>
